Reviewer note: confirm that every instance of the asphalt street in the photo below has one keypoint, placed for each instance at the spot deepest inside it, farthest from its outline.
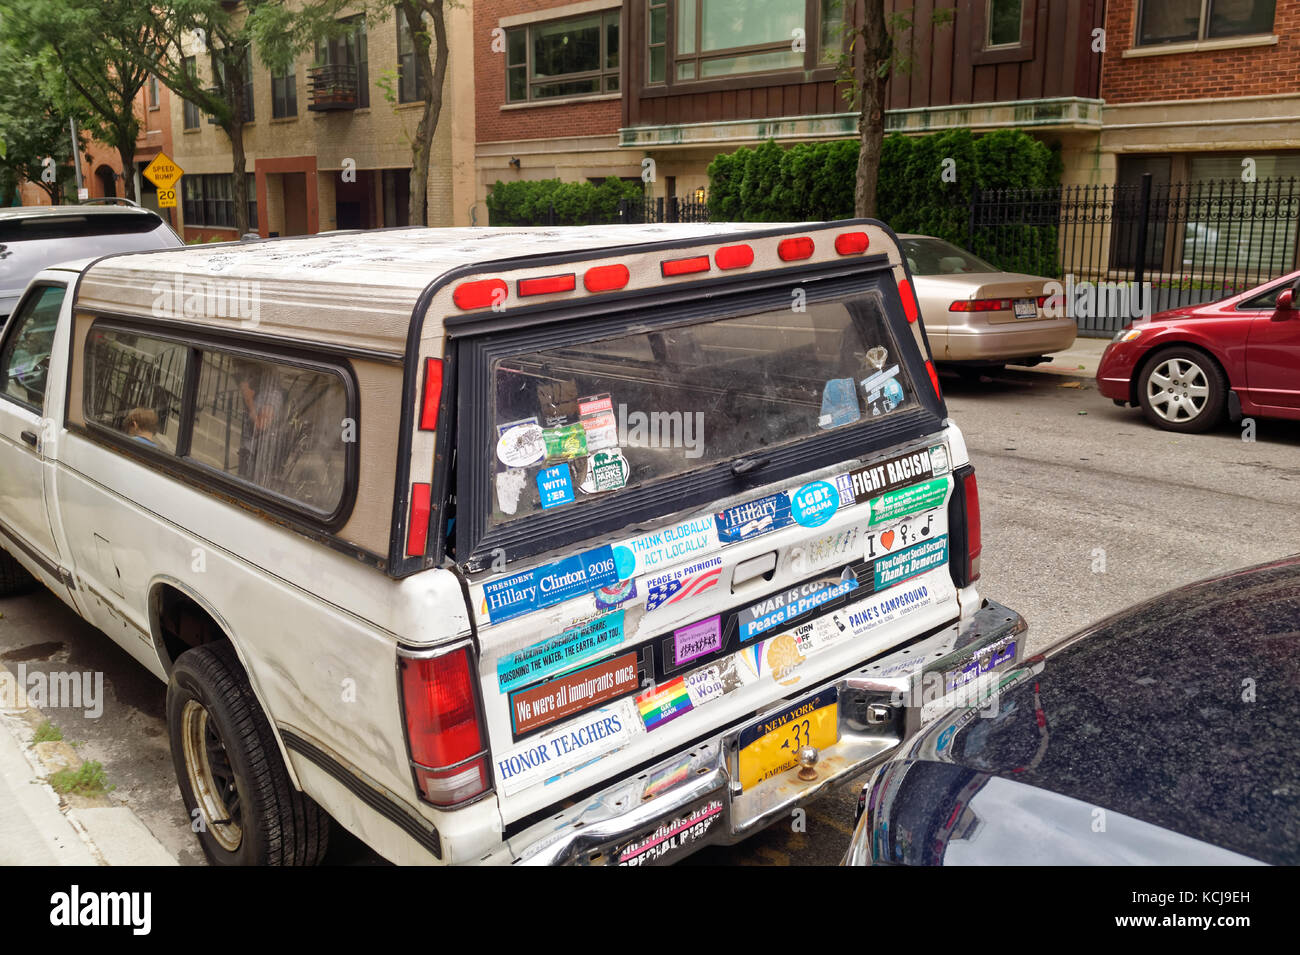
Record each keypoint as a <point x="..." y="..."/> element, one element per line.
<point x="1086" y="509"/>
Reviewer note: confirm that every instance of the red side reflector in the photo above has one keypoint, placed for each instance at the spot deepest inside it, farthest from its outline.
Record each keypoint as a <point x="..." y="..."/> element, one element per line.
<point x="794" y="250"/>
<point x="547" y="284"/>
<point x="432" y="394"/>
<point x="909" y="300"/>
<point x="934" y="379"/>
<point x="417" y="528"/>
<point x="605" y="278"/>
<point x="734" y="257"/>
<point x="973" y="542"/>
<point x="480" y="294"/>
<point x="696" y="263"/>
<point x="851" y="243"/>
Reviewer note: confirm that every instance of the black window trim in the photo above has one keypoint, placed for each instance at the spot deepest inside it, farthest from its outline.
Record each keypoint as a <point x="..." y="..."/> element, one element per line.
<point x="545" y="531"/>
<point x="251" y="496"/>
<point x="9" y="326"/>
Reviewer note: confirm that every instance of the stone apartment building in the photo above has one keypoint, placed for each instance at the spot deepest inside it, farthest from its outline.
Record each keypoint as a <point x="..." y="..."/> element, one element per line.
<point x="326" y="147"/>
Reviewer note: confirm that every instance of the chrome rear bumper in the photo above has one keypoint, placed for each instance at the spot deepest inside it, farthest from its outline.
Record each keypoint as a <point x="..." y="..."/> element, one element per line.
<point x="693" y="798"/>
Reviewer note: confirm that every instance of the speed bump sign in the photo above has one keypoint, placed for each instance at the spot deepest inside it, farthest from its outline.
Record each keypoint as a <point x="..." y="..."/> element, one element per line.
<point x="164" y="174"/>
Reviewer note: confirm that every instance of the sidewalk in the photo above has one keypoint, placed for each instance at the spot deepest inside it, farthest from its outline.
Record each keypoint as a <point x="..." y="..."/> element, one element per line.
<point x="1080" y="359"/>
<point x="38" y="827"/>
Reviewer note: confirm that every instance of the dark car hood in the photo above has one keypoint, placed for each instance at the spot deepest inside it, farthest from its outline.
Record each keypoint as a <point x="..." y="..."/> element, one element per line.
<point x="934" y="813"/>
<point x="1178" y="713"/>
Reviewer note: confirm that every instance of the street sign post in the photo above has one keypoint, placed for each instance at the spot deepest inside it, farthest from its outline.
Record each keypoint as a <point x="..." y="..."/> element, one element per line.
<point x="164" y="174"/>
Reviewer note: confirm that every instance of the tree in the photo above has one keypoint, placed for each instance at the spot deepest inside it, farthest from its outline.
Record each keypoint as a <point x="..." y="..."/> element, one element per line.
<point x="34" y="116"/>
<point x="874" y="54"/>
<point x="90" y="41"/>
<point x="435" y="72"/>
<point x="223" y="35"/>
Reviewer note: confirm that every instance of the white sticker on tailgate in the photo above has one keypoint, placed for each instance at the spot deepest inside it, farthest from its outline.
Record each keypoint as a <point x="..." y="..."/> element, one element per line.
<point x="545" y="758"/>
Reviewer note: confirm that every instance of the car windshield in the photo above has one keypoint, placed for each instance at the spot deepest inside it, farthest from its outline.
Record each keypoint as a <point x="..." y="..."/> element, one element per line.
<point x="926" y="256"/>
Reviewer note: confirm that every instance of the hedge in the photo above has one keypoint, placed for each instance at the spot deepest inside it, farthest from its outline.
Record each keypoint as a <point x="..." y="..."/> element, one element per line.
<point x="815" y="181"/>
<point x="529" y="201"/>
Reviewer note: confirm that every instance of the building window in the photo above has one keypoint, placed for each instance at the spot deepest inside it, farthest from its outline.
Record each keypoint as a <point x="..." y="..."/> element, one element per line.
<point x="1186" y="21"/>
<point x="718" y="38"/>
<point x="574" y="57"/>
<point x="153" y="92"/>
<point x="657" y="37"/>
<point x="284" y="94"/>
<point x="349" y="51"/>
<point x="191" y="111"/>
<point x="831" y="31"/>
<point x="412" y="73"/>
<point x="1004" y="23"/>
<point x="207" y="200"/>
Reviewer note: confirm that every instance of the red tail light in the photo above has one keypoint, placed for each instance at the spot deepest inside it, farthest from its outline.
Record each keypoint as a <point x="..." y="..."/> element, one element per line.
<point x="605" y="278"/>
<point x="973" y="541"/>
<point x="547" y="284"/>
<point x="417" y="528"/>
<point x="795" y="250"/>
<point x="696" y="263"/>
<point x="851" y="243"/>
<point x="734" y="257"/>
<point x="909" y="300"/>
<point x="480" y="294"/>
<point x="432" y="394"/>
<point x="981" y="305"/>
<point x="440" y="704"/>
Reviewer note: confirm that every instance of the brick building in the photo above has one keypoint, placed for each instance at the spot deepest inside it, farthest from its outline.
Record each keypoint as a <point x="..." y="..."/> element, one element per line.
<point x="325" y="146"/>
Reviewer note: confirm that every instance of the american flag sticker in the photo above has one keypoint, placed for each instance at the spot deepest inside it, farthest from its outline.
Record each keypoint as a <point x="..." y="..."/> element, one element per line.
<point x="679" y="585"/>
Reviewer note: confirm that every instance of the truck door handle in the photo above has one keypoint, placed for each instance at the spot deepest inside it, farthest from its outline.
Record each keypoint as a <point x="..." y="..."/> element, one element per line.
<point x="29" y="437"/>
<point x="747" y="465"/>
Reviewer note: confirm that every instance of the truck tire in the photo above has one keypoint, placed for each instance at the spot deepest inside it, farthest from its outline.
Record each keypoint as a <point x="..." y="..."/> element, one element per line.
<point x="1182" y="389"/>
<point x="14" y="578"/>
<point x="241" y="803"/>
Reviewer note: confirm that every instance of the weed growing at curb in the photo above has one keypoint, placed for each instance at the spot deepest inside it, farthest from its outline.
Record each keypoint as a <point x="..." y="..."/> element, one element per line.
<point x="47" y="732"/>
<point x="86" y="780"/>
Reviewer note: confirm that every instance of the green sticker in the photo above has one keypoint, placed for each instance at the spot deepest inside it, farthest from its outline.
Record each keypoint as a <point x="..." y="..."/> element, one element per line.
<point x="566" y="442"/>
<point x="910" y="500"/>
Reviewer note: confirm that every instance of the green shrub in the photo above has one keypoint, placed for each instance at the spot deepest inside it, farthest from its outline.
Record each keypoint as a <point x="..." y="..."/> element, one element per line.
<point x="529" y="201"/>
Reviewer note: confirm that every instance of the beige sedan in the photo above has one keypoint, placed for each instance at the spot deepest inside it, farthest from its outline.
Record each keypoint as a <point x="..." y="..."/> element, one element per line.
<point x="977" y="315"/>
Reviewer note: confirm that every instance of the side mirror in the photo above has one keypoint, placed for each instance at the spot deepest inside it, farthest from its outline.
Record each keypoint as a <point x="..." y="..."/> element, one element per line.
<point x="1285" y="300"/>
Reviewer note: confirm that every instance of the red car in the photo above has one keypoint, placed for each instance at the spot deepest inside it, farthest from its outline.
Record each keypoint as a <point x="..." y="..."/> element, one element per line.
<point x="1187" y="366"/>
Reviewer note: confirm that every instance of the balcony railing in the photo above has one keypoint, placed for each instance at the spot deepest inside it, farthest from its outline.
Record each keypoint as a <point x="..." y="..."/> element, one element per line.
<point x="332" y="87"/>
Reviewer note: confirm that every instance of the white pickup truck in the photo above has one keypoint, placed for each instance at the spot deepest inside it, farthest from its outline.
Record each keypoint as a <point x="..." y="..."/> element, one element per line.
<point x="586" y="546"/>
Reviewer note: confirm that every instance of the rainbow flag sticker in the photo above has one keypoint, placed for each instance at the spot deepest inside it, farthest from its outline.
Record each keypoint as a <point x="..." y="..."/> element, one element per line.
<point x="664" y="703"/>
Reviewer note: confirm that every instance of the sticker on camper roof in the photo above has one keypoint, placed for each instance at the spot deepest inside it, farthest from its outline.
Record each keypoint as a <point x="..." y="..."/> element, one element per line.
<point x="520" y="443"/>
<point x="556" y="654"/>
<point x="753" y="518"/>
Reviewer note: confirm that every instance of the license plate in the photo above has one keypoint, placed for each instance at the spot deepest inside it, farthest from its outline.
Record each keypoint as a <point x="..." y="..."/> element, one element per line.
<point x="1026" y="308"/>
<point x="771" y="746"/>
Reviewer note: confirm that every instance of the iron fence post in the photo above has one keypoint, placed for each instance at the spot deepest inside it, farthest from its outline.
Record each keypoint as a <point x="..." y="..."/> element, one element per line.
<point x="1144" y="214"/>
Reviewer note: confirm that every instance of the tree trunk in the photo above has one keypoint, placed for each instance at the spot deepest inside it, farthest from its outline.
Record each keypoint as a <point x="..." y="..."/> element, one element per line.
<point x="877" y="52"/>
<point x="127" y="155"/>
<point x="436" y="71"/>
<point x="239" y="185"/>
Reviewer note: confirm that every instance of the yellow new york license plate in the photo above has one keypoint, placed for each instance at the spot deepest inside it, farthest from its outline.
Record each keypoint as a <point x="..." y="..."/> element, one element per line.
<point x="771" y="746"/>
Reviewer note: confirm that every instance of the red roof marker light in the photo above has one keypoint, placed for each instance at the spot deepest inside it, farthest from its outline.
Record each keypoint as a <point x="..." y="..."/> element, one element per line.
<point x="547" y="284"/>
<point x="480" y="294"/>
<point x="734" y="257"/>
<point x="606" y="278"/>
<point x="851" y="243"/>
<point x="696" y="263"/>
<point x="795" y="250"/>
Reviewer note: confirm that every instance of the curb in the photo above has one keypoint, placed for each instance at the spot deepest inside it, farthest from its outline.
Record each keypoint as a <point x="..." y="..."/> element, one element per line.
<point x="59" y="829"/>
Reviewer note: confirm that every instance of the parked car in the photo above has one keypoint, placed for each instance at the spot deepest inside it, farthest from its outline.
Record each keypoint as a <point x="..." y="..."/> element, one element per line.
<point x="551" y="546"/>
<point x="1188" y="367"/>
<point x="35" y="237"/>
<point x="1163" y="735"/>
<point x="977" y="316"/>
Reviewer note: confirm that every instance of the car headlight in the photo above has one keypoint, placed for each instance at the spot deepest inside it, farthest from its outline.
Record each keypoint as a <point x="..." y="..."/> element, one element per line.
<point x="1126" y="334"/>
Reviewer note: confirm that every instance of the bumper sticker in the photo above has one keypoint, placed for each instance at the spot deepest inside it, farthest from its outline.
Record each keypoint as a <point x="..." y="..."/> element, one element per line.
<point x="568" y="695"/>
<point x="650" y="552"/>
<point x="682" y="584"/>
<point x="814" y="504"/>
<point x="550" y="584"/>
<point x="674" y="836"/>
<point x="898" y="567"/>
<point x="555" y="486"/>
<point x="552" y="656"/>
<point x="696" y="640"/>
<point x="547" y="758"/>
<point x="919" y="497"/>
<point x="753" y="519"/>
<point x="784" y="607"/>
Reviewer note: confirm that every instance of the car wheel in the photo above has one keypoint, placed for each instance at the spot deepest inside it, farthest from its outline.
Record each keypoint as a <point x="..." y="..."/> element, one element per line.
<point x="14" y="578"/>
<point x="1182" y="389"/>
<point x="241" y="803"/>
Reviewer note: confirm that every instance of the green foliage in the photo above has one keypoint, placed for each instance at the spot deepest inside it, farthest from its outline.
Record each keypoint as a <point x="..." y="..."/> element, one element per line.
<point x="34" y="113"/>
<point x="88" y="779"/>
<point x="815" y="181"/>
<point x="529" y="201"/>
<point x="47" y="732"/>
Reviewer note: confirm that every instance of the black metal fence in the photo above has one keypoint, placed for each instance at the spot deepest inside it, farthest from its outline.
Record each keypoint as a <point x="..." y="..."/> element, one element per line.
<point x="1131" y="249"/>
<point x="634" y="211"/>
